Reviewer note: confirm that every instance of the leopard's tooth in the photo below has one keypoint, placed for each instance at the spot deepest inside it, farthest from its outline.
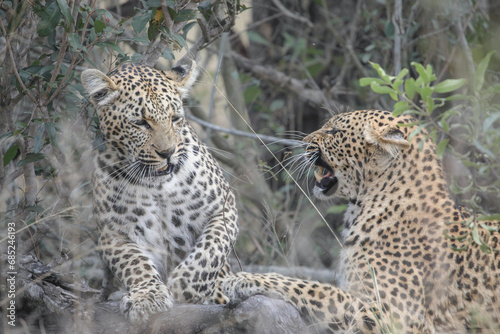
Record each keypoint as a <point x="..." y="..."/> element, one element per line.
<point x="318" y="175"/>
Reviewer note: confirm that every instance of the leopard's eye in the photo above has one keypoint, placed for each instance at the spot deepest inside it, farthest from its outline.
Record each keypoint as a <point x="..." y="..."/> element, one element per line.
<point x="141" y="122"/>
<point x="176" y="118"/>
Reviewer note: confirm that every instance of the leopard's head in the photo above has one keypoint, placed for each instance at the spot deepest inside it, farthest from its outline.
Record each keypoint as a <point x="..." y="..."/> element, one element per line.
<point x="141" y="115"/>
<point x="352" y="147"/>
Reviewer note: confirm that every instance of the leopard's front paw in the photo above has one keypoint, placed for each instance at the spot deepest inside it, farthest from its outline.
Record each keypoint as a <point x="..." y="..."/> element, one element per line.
<point x="146" y="299"/>
<point x="231" y="287"/>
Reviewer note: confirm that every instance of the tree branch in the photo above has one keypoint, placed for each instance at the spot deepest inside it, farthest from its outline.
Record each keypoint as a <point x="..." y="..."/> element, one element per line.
<point x="14" y="68"/>
<point x="288" y="13"/>
<point x="8" y="179"/>
<point x="397" y="21"/>
<point x="284" y="81"/>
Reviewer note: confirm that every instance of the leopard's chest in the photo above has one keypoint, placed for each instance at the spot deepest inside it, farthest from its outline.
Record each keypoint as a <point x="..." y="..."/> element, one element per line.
<point x="169" y="227"/>
<point x="164" y="219"/>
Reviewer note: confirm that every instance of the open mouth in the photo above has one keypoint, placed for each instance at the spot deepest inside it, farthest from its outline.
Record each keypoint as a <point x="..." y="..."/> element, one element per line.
<point x="326" y="181"/>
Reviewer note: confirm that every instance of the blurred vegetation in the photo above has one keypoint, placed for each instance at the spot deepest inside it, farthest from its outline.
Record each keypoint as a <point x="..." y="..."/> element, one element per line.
<point x="278" y="68"/>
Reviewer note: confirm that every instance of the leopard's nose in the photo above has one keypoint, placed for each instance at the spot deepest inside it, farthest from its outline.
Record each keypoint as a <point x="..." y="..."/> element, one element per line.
<point x="166" y="154"/>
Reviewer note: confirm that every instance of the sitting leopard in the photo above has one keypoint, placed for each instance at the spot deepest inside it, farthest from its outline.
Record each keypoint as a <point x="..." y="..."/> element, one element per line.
<point x="399" y="272"/>
<point x="166" y="215"/>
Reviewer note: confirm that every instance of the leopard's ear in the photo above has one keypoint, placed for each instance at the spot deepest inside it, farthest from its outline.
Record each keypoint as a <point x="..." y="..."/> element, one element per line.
<point x="185" y="77"/>
<point x="388" y="137"/>
<point x="101" y="89"/>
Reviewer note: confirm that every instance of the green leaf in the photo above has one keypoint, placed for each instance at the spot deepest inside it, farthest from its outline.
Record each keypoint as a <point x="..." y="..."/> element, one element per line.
<point x="187" y="27"/>
<point x="49" y="19"/>
<point x="112" y="46"/>
<point x="457" y="97"/>
<point x="491" y="217"/>
<point x="441" y="147"/>
<point x="449" y="85"/>
<point x="38" y="138"/>
<point x="104" y="13"/>
<point x="490" y="120"/>
<point x="167" y="54"/>
<point x="389" y="29"/>
<point x="484" y="149"/>
<point x="410" y="88"/>
<point x="154" y="29"/>
<point x="400" y="108"/>
<point x="444" y="124"/>
<point x="481" y="71"/>
<point x="75" y="41"/>
<point x="363" y="82"/>
<point x="10" y="154"/>
<point x="63" y="6"/>
<point x="396" y="84"/>
<point x="426" y="96"/>
<point x="381" y="72"/>
<point x="379" y="89"/>
<point x="257" y="38"/>
<point x="51" y="131"/>
<point x="31" y="157"/>
<point x="476" y="237"/>
<point x="430" y="73"/>
<point x="430" y="105"/>
<point x="179" y="39"/>
<point x="185" y="15"/>
<point x="99" y="26"/>
<point x="402" y="74"/>
<point x="421" y="71"/>
<point x="416" y="131"/>
<point x="139" y="22"/>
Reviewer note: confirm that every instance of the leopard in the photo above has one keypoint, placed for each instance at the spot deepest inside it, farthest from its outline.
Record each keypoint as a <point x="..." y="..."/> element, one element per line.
<point x="166" y="216"/>
<point x="410" y="260"/>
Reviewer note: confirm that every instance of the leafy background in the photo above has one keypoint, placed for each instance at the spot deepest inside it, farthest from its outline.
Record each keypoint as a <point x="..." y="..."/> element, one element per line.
<point x="275" y="68"/>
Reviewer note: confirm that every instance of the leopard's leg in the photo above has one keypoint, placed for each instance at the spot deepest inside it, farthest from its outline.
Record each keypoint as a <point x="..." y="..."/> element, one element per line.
<point x="219" y="297"/>
<point x="197" y="278"/>
<point x="328" y="307"/>
<point x="146" y="293"/>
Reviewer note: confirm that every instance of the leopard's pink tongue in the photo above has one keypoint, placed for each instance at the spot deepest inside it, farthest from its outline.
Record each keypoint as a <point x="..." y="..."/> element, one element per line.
<point x="318" y="174"/>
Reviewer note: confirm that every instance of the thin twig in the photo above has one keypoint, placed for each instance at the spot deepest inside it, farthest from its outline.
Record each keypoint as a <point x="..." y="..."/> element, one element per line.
<point x="166" y="15"/>
<point x="14" y="68"/>
<point x="62" y="53"/>
<point x="6" y="180"/>
<point x="288" y="13"/>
